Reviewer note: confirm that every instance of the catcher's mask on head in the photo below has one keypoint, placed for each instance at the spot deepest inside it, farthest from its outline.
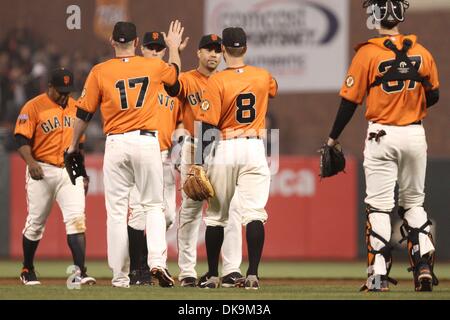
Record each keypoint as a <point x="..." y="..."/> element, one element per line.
<point x="389" y="13"/>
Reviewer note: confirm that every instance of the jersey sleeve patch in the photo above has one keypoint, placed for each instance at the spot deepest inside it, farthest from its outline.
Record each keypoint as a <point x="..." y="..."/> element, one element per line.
<point x="205" y="105"/>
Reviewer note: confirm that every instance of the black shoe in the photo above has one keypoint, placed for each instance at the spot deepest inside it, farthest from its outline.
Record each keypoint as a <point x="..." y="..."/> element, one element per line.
<point x="163" y="276"/>
<point x="188" y="282"/>
<point x="135" y="278"/>
<point x="208" y="282"/>
<point x="234" y="279"/>
<point x="28" y="277"/>
<point x="146" y="277"/>
<point x="424" y="278"/>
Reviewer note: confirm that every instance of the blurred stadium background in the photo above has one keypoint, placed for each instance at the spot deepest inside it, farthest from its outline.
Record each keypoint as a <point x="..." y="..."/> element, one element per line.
<point x="306" y="44"/>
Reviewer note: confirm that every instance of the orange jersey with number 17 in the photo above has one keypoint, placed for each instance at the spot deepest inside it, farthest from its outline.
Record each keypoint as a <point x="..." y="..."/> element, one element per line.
<point x="236" y="99"/>
<point x="127" y="91"/>
<point x="397" y="102"/>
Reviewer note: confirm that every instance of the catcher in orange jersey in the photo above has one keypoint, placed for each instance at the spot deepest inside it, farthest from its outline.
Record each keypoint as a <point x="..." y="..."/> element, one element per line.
<point x="235" y="103"/>
<point x="399" y="79"/>
<point x="126" y="89"/>
<point x="169" y="114"/>
<point x="43" y="131"/>
<point x="189" y="89"/>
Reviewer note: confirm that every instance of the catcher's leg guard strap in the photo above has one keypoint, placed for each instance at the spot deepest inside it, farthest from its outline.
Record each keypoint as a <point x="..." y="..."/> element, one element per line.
<point x="379" y="257"/>
<point x="416" y="238"/>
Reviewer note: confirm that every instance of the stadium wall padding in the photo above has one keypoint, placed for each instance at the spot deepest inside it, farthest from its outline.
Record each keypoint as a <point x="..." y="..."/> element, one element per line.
<point x="4" y="205"/>
<point x="304" y="214"/>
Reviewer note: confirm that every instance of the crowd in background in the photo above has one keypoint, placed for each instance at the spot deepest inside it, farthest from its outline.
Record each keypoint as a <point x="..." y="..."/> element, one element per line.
<point x="25" y="62"/>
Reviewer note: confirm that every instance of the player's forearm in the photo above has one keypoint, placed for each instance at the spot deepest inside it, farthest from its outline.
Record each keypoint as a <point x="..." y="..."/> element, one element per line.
<point x="343" y="117"/>
<point x="174" y="56"/>
<point x="26" y="155"/>
<point x="78" y="130"/>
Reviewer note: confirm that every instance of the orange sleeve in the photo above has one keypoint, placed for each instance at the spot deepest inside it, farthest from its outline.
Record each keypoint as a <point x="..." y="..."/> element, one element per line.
<point x="211" y="106"/>
<point x="26" y="121"/>
<point x="273" y="87"/>
<point x="357" y="81"/>
<point x="168" y="73"/>
<point x="90" y="96"/>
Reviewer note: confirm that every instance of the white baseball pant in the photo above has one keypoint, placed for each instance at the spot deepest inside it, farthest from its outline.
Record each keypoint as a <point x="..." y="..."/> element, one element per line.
<point x="399" y="157"/>
<point x="189" y="225"/>
<point x="41" y="194"/>
<point x="133" y="159"/>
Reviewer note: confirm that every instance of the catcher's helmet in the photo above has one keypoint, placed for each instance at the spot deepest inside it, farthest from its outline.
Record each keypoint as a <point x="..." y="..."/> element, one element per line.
<point x="387" y="12"/>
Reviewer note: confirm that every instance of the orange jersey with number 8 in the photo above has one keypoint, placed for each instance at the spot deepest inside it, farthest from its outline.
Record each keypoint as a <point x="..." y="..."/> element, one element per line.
<point x="397" y="102"/>
<point x="236" y="99"/>
<point x="126" y="89"/>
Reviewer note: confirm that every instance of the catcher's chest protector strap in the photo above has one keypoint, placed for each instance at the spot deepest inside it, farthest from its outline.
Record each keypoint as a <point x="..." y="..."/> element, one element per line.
<point x="402" y="69"/>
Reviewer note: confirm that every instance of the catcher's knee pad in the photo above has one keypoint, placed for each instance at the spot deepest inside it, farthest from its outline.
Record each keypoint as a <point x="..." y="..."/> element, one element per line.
<point x="76" y="225"/>
<point x="379" y="250"/>
<point x="416" y="231"/>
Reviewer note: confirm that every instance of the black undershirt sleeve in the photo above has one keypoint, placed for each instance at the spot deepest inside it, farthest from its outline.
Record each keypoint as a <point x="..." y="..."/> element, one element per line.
<point x="344" y="115"/>
<point x="174" y="90"/>
<point x="84" y="115"/>
<point x="432" y="97"/>
<point x="21" y="141"/>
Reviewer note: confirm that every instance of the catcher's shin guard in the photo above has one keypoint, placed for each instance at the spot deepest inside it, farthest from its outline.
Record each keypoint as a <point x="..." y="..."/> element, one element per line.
<point x="421" y="266"/>
<point x="377" y="282"/>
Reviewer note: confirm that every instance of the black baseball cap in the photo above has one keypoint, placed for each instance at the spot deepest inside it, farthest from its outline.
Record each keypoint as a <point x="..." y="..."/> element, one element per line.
<point x="234" y="37"/>
<point x="124" y="32"/>
<point x="210" y="40"/>
<point x="62" y="80"/>
<point x="154" y="37"/>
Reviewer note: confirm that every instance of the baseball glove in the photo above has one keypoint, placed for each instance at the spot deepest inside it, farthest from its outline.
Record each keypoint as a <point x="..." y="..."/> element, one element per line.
<point x="74" y="163"/>
<point x="197" y="185"/>
<point x="332" y="160"/>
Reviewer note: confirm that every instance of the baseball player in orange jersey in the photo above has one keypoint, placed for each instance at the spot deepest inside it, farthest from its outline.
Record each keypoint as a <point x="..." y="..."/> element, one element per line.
<point x="189" y="90"/>
<point x="235" y="102"/>
<point x="44" y="129"/>
<point x="400" y="78"/>
<point x="126" y="88"/>
<point x="154" y="46"/>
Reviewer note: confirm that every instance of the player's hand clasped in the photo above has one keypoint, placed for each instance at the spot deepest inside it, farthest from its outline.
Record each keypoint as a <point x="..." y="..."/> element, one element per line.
<point x="35" y="171"/>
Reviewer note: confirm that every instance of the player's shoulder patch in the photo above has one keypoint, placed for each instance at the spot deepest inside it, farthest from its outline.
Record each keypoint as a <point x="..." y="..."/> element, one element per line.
<point x="349" y="81"/>
<point x="22" y="118"/>
<point x="205" y="105"/>
<point x="83" y="93"/>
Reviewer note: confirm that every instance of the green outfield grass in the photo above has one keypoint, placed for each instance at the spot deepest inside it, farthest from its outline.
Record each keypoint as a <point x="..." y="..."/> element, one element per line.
<point x="288" y="280"/>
